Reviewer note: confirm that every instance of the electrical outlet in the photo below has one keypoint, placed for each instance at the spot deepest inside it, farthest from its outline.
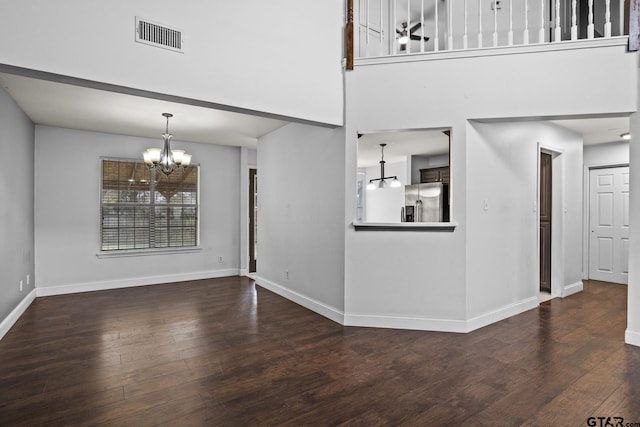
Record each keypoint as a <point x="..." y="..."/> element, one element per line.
<point x="20" y="285"/>
<point x="286" y="274"/>
<point x="220" y="259"/>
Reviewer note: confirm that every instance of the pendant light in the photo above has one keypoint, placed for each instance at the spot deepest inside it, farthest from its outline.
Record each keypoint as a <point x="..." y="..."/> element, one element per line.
<point x="395" y="182"/>
<point x="166" y="159"/>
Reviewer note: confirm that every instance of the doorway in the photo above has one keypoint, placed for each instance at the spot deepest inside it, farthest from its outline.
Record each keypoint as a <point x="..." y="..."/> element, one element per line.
<point x="545" y="209"/>
<point x="609" y="224"/>
<point x="253" y="219"/>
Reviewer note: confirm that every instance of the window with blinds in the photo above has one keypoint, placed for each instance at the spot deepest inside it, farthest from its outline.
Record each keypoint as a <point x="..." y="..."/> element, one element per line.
<point x="145" y="209"/>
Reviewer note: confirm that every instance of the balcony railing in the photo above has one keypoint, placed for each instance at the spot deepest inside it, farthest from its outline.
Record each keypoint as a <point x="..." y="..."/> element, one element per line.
<point x="405" y="27"/>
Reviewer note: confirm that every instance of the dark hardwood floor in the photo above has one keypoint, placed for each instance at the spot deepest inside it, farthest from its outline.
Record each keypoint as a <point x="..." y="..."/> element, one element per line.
<point x="221" y="352"/>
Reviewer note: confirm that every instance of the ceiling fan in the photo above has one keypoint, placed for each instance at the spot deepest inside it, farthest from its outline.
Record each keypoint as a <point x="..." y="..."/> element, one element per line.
<point x="405" y="35"/>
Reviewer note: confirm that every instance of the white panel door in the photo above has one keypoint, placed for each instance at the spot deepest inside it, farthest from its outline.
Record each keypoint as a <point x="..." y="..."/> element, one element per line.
<point x="609" y="224"/>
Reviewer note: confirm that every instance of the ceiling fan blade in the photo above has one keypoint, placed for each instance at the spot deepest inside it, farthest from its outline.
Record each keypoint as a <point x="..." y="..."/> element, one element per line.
<point x="415" y="27"/>
<point x="398" y="31"/>
<point x="418" y="38"/>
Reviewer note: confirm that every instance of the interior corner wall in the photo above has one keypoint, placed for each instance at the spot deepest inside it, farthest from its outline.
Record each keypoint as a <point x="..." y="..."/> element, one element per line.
<point x="67" y="214"/>
<point x="632" y="335"/>
<point x="502" y="194"/>
<point x="300" y="216"/>
<point x="16" y="206"/>
<point x="282" y="58"/>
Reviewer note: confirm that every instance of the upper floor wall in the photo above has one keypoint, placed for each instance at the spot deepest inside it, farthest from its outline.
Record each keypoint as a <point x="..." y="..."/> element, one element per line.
<point x="281" y="58"/>
<point x="581" y="78"/>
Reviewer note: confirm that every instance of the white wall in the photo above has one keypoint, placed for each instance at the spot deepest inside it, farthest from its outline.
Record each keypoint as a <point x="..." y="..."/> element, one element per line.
<point x="384" y="204"/>
<point x="67" y="220"/>
<point x="16" y="208"/>
<point x="300" y="216"/>
<point x="281" y="57"/>
<point x="611" y="154"/>
<point x="502" y="189"/>
<point x="424" y="277"/>
<point x="632" y="335"/>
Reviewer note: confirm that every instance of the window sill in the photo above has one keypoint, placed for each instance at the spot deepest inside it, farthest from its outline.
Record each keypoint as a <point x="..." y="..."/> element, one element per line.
<point x="405" y="226"/>
<point x="146" y="252"/>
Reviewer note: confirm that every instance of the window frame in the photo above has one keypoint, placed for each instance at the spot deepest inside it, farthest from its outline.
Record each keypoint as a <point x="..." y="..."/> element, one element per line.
<point x="114" y="253"/>
<point x="362" y="225"/>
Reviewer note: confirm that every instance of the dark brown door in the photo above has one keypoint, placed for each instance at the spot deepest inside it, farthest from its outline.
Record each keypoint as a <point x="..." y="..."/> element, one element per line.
<point x="545" y="222"/>
<point x="253" y="223"/>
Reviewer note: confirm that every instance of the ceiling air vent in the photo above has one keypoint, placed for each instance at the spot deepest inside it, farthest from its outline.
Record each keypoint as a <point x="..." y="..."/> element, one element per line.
<point x="159" y="35"/>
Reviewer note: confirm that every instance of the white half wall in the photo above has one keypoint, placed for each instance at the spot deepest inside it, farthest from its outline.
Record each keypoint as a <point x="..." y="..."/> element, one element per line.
<point x="67" y="214"/>
<point x="16" y="211"/>
<point x="280" y="58"/>
<point x="300" y="215"/>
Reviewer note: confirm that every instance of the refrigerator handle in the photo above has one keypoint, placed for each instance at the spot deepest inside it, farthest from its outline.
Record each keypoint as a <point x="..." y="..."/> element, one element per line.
<point x="402" y="218"/>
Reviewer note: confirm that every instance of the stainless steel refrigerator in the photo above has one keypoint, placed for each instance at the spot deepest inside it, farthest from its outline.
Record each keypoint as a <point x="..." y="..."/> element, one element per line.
<point x="424" y="202"/>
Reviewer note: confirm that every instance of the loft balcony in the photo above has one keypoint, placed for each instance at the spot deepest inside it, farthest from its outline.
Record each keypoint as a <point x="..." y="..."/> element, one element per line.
<point x="409" y="30"/>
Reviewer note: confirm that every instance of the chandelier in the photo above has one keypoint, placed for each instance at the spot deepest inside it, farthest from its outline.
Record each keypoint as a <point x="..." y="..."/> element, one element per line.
<point x="166" y="159"/>
<point x="395" y="183"/>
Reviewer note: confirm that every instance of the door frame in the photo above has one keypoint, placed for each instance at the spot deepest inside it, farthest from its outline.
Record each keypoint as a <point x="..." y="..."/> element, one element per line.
<point x="557" y="219"/>
<point x="586" y="206"/>
<point x="253" y="173"/>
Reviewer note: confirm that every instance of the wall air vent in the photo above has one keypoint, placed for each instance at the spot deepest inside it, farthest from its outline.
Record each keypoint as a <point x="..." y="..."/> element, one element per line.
<point x="159" y="35"/>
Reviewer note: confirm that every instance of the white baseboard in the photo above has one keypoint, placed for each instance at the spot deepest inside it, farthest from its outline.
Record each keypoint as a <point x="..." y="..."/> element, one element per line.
<point x="632" y="337"/>
<point x="244" y="272"/>
<point x="502" y="313"/>
<point x="414" y="323"/>
<point x="43" y="291"/>
<point x="573" y="288"/>
<point x="441" y="325"/>
<point x="310" y="303"/>
<point x="15" y="314"/>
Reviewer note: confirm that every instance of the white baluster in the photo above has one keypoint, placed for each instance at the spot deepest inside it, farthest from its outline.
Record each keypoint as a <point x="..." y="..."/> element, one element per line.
<point x="590" y="27"/>
<point x="574" y="20"/>
<point x="541" y="31"/>
<point x="495" y="24"/>
<point x="393" y="46"/>
<point x="525" y="33"/>
<point x="436" y="42"/>
<point x="558" y="31"/>
<point x="510" y="35"/>
<point x="450" y="22"/>
<point x="367" y="27"/>
<point x="479" y="23"/>
<point x="381" y="32"/>
<point x="409" y="26"/>
<point x="465" y="37"/>
<point x="422" y="26"/>
<point x="607" y="18"/>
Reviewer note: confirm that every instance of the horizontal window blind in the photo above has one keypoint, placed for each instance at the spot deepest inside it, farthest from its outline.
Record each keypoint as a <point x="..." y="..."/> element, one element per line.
<point x="145" y="209"/>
